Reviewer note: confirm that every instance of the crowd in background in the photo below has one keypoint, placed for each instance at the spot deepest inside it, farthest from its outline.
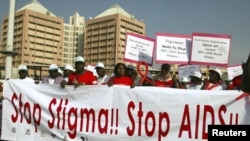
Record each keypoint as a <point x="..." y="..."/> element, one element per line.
<point x="123" y="74"/>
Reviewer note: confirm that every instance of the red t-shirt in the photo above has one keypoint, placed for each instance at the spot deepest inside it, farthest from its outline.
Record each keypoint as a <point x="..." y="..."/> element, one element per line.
<point x="122" y="80"/>
<point x="159" y="83"/>
<point x="235" y="82"/>
<point x="87" y="78"/>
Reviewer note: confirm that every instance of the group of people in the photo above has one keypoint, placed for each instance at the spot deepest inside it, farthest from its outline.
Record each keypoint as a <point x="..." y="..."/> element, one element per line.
<point x="127" y="75"/>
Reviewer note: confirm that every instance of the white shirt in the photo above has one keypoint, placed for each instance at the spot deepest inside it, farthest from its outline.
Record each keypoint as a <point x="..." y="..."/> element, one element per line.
<point x="27" y="79"/>
<point x="219" y="87"/>
<point x="195" y="87"/>
<point x="103" y="80"/>
<point x="51" y="81"/>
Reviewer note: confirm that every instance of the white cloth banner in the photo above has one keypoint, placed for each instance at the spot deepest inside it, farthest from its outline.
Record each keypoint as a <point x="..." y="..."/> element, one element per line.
<point x="100" y="113"/>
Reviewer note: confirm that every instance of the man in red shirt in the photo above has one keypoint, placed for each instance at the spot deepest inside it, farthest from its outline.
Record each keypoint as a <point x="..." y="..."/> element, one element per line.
<point x="80" y="76"/>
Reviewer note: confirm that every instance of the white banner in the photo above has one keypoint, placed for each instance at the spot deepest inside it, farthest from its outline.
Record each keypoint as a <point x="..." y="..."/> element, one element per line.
<point x="119" y="113"/>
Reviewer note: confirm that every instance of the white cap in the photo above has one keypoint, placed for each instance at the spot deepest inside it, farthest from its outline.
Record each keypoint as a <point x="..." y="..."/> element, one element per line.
<point x="69" y="67"/>
<point x="89" y="68"/>
<point x="196" y="74"/>
<point x="79" y="59"/>
<point x="22" y="67"/>
<point x="60" y="71"/>
<point x="53" y="67"/>
<point x="184" y="79"/>
<point x="99" y="65"/>
<point x="217" y="70"/>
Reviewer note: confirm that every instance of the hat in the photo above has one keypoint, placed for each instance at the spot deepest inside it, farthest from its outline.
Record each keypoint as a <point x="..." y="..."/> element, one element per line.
<point x="22" y="68"/>
<point x="89" y="68"/>
<point x="99" y="65"/>
<point x="79" y="59"/>
<point x="216" y="70"/>
<point x="130" y="67"/>
<point x="184" y="79"/>
<point x="196" y="74"/>
<point x="53" y="67"/>
<point x="60" y="71"/>
<point x="69" y="67"/>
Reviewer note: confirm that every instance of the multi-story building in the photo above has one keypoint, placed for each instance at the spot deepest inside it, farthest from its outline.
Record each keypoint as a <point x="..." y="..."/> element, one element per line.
<point x="38" y="38"/>
<point x="105" y="35"/>
<point x="73" y="41"/>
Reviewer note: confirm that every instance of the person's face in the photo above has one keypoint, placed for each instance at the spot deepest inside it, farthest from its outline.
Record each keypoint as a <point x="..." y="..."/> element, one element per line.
<point x="67" y="72"/>
<point x="22" y="74"/>
<point x="129" y="72"/>
<point x="213" y="77"/>
<point x="121" y="70"/>
<point x="194" y="79"/>
<point x="164" y="70"/>
<point x="53" y="73"/>
<point x="100" y="71"/>
<point x="79" y="66"/>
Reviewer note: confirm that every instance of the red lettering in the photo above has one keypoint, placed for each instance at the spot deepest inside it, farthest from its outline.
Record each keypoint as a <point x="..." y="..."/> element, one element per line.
<point x="103" y="113"/>
<point x="140" y="115"/>
<point x="150" y="115"/>
<point x="58" y="109"/>
<point x="185" y="118"/>
<point x="88" y="112"/>
<point x="223" y="109"/>
<point x="27" y="112"/>
<point x="197" y="121"/>
<point x="14" y="117"/>
<point x="131" y="131"/>
<point x="162" y="133"/>
<point x="25" y="109"/>
<point x="37" y="109"/>
<point x="207" y="110"/>
<point x="72" y="125"/>
<point x="51" y="123"/>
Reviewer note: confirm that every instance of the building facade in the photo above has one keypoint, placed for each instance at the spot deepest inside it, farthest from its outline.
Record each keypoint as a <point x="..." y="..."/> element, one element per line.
<point x="37" y="39"/>
<point x="105" y="35"/>
<point x="73" y="41"/>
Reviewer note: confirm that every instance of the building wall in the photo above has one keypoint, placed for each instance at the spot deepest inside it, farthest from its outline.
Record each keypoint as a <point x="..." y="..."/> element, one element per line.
<point x="73" y="42"/>
<point x="105" y="38"/>
<point x="38" y="40"/>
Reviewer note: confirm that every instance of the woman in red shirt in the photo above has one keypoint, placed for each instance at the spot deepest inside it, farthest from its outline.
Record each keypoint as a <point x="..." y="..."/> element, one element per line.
<point x="164" y="79"/>
<point x="120" y="77"/>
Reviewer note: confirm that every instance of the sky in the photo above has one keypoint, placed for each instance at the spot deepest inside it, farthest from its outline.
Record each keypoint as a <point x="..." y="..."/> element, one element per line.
<point x="229" y="17"/>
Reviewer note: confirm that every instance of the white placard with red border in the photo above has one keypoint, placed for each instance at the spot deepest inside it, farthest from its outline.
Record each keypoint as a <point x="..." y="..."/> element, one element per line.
<point x="210" y="49"/>
<point x="186" y="70"/>
<point x="233" y="71"/>
<point x="139" y="48"/>
<point x="172" y="48"/>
